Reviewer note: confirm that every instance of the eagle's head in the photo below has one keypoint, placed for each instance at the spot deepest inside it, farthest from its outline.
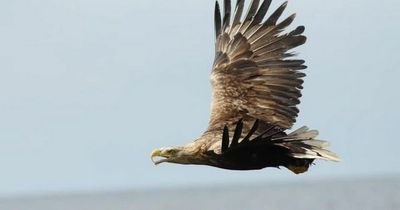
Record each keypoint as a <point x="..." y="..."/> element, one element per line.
<point x="187" y="154"/>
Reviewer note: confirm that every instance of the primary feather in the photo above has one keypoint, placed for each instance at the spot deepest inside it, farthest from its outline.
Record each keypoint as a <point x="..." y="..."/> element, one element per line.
<point x="253" y="76"/>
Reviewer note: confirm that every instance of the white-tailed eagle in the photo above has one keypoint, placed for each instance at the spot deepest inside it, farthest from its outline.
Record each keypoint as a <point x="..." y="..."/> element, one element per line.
<point x="256" y="83"/>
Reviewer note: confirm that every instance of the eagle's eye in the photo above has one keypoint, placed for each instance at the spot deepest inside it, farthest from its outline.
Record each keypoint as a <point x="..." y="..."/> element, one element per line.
<point x="172" y="152"/>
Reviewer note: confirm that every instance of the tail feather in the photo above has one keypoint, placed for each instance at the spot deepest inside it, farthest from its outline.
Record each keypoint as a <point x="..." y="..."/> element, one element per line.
<point x="317" y="143"/>
<point x="301" y="130"/>
<point x="303" y="145"/>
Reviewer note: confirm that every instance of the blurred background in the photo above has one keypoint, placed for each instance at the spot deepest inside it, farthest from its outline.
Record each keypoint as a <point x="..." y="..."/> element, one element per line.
<point x="89" y="88"/>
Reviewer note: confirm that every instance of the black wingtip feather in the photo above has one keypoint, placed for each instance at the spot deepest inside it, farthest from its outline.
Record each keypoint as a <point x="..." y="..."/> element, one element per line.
<point x="252" y="9"/>
<point x="225" y="139"/>
<point x="297" y="41"/>
<point x="251" y="132"/>
<point x="261" y="12"/>
<point x="262" y="135"/>
<point x="217" y="19"/>
<point x="285" y="23"/>
<point x="238" y="12"/>
<point x="227" y="14"/>
<point x="299" y="30"/>
<point x="276" y="15"/>
<point x="238" y="133"/>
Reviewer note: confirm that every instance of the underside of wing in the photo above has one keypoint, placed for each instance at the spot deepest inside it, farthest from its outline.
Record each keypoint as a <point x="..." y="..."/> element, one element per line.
<point x="270" y="148"/>
<point x="254" y="75"/>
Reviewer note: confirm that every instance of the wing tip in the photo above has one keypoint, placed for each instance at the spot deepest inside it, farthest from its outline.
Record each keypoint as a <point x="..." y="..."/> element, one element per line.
<point x="217" y="19"/>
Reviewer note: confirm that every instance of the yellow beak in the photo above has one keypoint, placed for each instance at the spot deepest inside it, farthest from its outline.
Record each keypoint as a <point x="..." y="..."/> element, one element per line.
<point x="155" y="153"/>
<point x="158" y="153"/>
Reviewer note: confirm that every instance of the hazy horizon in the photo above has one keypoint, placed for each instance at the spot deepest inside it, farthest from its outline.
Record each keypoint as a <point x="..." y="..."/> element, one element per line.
<point x="382" y="193"/>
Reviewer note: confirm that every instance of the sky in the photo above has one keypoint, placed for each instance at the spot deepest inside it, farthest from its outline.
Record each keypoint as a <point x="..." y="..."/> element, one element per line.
<point x="89" y="88"/>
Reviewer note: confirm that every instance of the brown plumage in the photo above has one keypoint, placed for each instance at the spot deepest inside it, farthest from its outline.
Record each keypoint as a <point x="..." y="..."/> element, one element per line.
<point x="256" y="86"/>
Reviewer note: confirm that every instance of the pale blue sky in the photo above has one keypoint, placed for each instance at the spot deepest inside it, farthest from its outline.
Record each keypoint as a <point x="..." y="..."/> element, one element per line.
<point x="89" y="88"/>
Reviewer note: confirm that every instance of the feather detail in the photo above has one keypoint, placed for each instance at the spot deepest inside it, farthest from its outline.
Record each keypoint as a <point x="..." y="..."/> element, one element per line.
<point x="227" y="14"/>
<point x="253" y="75"/>
<point x="303" y="145"/>
<point x="217" y="20"/>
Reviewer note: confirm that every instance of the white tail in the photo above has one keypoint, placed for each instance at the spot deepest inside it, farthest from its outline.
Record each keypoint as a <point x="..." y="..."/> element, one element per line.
<point x="303" y="145"/>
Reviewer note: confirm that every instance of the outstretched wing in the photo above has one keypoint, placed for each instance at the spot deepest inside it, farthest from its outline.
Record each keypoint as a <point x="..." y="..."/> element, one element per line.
<point x="253" y="75"/>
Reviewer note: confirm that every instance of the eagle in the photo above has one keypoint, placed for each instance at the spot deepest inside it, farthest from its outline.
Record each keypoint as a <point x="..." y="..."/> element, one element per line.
<point x="256" y="86"/>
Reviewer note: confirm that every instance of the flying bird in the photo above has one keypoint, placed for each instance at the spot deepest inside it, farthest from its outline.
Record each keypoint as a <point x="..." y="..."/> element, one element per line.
<point x="256" y="87"/>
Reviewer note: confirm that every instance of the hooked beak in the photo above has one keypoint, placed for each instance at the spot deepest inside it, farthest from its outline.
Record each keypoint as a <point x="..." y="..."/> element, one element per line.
<point x="159" y="153"/>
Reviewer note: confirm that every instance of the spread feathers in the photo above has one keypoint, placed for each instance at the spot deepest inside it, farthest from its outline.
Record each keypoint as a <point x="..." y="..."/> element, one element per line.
<point x="256" y="83"/>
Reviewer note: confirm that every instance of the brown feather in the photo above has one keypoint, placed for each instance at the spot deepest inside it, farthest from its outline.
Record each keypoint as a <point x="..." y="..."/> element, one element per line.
<point x="252" y="77"/>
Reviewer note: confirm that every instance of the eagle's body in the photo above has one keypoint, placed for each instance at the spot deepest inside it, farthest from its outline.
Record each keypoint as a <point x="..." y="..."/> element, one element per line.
<point x="255" y="89"/>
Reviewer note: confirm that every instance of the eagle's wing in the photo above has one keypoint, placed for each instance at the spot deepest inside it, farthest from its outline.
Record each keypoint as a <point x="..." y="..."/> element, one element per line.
<point x="253" y="75"/>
